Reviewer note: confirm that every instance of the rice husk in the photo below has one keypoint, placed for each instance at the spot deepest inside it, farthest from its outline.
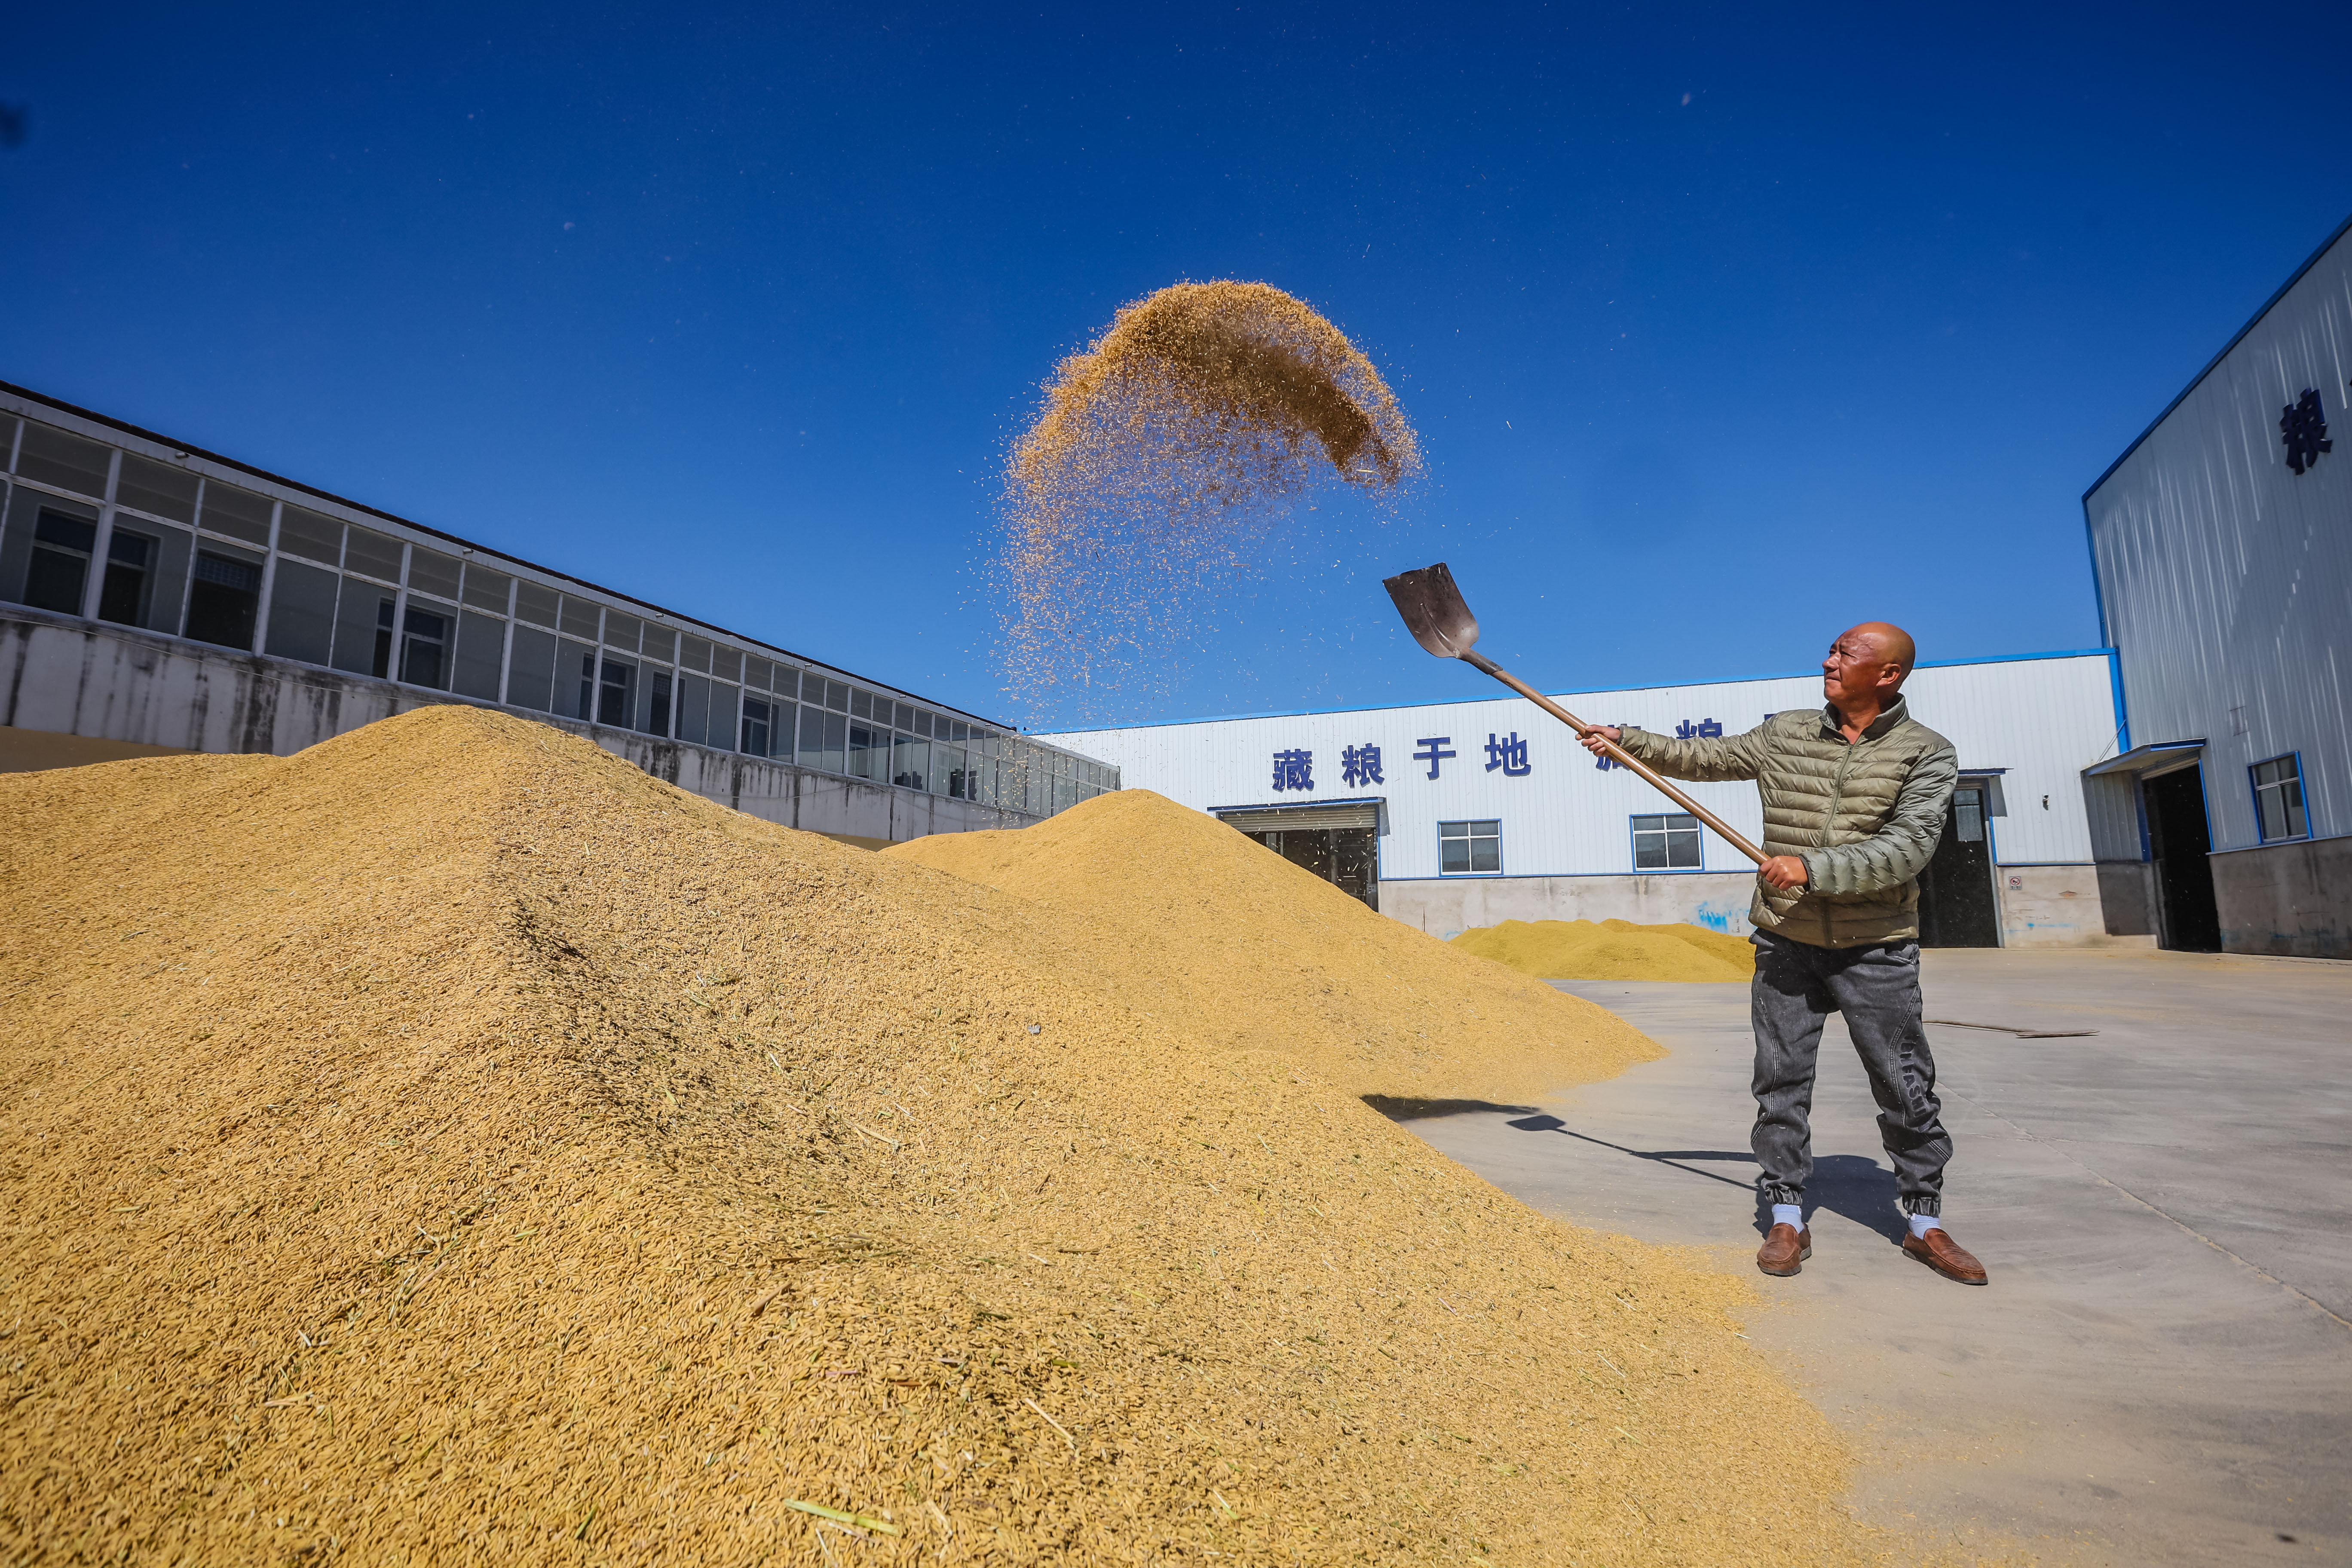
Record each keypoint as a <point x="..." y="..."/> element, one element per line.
<point x="1612" y="950"/>
<point x="450" y="1142"/>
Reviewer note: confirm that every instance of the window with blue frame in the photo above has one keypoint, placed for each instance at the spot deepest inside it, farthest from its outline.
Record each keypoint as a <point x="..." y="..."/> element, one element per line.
<point x="2278" y="798"/>
<point x="1667" y="842"/>
<point x="1470" y="848"/>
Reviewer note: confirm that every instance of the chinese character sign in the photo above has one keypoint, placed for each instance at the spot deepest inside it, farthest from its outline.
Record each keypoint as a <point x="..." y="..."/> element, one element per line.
<point x="1360" y="765"/>
<point x="2302" y="425"/>
<point x="1704" y="730"/>
<point x="1433" y="751"/>
<point x="1605" y="761"/>
<point x="1509" y="754"/>
<point x="1294" y="770"/>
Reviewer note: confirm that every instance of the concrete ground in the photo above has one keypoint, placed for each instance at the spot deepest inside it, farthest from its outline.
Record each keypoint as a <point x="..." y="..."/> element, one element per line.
<point x="2160" y="1371"/>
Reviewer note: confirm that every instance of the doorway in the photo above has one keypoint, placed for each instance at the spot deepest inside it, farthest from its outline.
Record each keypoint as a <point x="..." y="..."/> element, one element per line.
<point x="2179" y="844"/>
<point x="1346" y="857"/>
<point x="1956" y="897"/>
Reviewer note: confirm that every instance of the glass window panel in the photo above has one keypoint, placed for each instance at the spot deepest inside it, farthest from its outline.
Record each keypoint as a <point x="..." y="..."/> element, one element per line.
<point x="167" y="589"/>
<point x="485" y="589"/>
<point x="869" y="752"/>
<point x="311" y="536"/>
<point x="695" y="654"/>
<point x="226" y="597"/>
<point x="1454" y="861"/>
<point x="837" y="696"/>
<point x="616" y="685"/>
<point x="162" y="488"/>
<point x="535" y="603"/>
<point x="239" y="513"/>
<point x="824" y="740"/>
<point x="481" y="651"/>
<point x="910" y="763"/>
<point x="622" y="631"/>
<point x="301" y="611"/>
<point x="756" y="719"/>
<point x="694" y="706"/>
<point x="424" y="647"/>
<point x="726" y="664"/>
<point x="54" y="457"/>
<point x="575" y="681"/>
<point x="371" y="554"/>
<point x="581" y="618"/>
<point x="951" y="772"/>
<point x="1682" y="850"/>
<point x="56" y="577"/>
<point x="756" y="674"/>
<point x="129" y="565"/>
<point x="364" y="628"/>
<point x="788" y="682"/>
<point x="430" y="572"/>
<point x="658" y="683"/>
<point x="1485" y="855"/>
<point x="530" y="675"/>
<point x="661" y="642"/>
<point x="861" y="704"/>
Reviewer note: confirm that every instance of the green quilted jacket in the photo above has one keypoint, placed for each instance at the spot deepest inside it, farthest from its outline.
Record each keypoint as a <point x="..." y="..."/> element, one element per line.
<point x="1864" y="818"/>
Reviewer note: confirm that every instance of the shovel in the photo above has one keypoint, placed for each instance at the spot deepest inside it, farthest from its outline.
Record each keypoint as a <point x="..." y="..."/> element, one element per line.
<point x="1439" y="622"/>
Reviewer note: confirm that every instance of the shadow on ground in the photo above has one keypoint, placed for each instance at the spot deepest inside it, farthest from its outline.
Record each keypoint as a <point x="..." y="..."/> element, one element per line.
<point x="1860" y="1189"/>
<point x="1409" y="1109"/>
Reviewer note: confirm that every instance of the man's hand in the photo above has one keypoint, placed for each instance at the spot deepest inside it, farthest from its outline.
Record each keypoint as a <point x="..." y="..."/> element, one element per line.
<point x="1783" y="872"/>
<point x="1591" y="740"/>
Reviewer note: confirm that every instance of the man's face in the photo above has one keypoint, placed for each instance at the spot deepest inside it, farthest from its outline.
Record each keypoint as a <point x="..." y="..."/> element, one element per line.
<point x="1855" y="671"/>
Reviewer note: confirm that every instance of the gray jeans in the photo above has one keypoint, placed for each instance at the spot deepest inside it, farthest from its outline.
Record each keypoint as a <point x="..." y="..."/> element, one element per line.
<point x="1877" y="988"/>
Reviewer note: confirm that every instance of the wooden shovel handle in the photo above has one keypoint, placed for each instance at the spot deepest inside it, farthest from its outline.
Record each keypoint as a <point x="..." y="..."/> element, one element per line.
<point x="1618" y="754"/>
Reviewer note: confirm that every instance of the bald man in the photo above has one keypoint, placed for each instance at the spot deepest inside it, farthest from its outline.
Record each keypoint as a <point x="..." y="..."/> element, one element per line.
<point x="1854" y="796"/>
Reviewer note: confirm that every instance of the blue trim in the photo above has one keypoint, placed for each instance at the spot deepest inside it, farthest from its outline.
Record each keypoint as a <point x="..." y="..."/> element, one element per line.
<point x="2214" y="364"/>
<point x="2115" y="680"/>
<point x="1574" y="691"/>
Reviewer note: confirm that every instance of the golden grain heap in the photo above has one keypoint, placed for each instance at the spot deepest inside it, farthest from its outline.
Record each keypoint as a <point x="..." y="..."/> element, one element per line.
<point x="1612" y="950"/>
<point x="1163" y="460"/>
<point x="450" y="1144"/>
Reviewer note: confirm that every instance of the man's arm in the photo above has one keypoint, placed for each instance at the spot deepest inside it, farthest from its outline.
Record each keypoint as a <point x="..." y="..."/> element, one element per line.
<point x="1707" y="761"/>
<point x="1895" y="853"/>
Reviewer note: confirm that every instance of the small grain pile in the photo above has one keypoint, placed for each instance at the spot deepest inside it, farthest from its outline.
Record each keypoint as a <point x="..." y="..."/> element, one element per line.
<point x="1204" y="930"/>
<point x="1612" y="950"/>
<point x="1156" y="472"/>
<point x="451" y="1143"/>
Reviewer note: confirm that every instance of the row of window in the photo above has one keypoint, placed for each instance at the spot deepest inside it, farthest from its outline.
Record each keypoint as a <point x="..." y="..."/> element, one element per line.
<point x="1667" y="841"/>
<point x="194" y="557"/>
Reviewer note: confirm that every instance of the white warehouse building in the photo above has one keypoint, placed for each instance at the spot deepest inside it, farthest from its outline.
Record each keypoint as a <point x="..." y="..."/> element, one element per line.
<point x="1456" y="815"/>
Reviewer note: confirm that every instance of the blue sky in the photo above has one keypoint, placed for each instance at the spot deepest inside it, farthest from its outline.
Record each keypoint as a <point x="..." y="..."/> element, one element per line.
<point x="1723" y="331"/>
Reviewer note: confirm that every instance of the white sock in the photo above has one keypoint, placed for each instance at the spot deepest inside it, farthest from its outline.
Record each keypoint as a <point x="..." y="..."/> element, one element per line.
<point x="1921" y="1224"/>
<point x="1789" y="1214"/>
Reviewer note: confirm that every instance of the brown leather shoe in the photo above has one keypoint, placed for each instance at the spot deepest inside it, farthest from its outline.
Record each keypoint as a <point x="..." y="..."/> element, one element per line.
<point x="1785" y="1250"/>
<point x="1947" y="1258"/>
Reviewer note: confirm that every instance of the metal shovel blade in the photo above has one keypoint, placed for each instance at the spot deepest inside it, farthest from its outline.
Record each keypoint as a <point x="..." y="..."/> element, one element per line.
<point x="1433" y="611"/>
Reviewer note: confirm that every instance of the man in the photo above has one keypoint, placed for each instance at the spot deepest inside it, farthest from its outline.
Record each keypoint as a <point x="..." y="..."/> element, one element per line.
<point x="1854" y="796"/>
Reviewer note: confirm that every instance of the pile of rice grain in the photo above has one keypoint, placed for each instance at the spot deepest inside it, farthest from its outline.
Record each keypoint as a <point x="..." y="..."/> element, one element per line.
<point x="1612" y="950"/>
<point x="451" y="1141"/>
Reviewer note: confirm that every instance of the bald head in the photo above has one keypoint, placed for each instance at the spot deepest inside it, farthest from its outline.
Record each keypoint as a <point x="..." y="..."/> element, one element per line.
<point x="1892" y="644"/>
<point x="1865" y="669"/>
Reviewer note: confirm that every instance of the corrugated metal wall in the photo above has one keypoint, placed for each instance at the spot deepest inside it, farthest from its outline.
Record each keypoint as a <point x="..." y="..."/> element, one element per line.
<point x="2225" y="577"/>
<point x="2043" y="719"/>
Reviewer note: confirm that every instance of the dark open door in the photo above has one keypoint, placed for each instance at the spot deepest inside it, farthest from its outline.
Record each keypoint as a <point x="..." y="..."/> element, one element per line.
<point x="1956" y="896"/>
<point x="2187" y="917"/>
<point x="1344" y="857"/>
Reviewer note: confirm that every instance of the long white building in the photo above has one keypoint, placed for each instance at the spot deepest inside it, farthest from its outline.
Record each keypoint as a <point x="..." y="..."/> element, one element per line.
<point x="1454" y="814"/>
